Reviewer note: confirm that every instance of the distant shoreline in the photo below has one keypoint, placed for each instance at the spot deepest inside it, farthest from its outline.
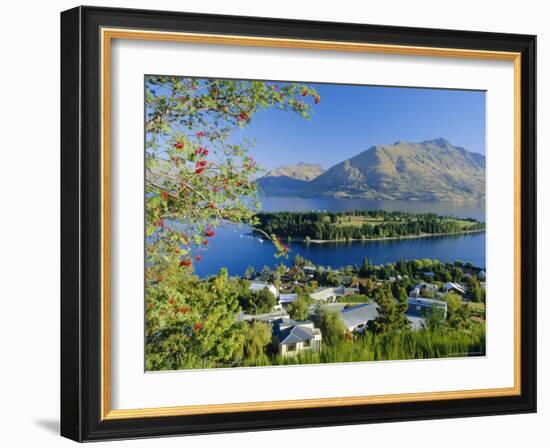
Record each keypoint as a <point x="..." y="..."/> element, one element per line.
<point x="404" y="237"/>
<point x="379" y="199"/>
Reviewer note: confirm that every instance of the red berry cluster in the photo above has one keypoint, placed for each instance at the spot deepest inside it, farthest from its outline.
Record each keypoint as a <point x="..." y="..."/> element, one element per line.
<point x="201" y="151"/>
<point x="186" y="263"/>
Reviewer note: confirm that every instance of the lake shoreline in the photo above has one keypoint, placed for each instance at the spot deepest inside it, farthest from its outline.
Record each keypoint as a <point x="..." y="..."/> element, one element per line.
<point x="385" y="238"/>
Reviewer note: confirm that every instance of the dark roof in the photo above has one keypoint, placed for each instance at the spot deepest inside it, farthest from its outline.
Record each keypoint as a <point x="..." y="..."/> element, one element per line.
<point x="292" y="334"/>
<point x="297" y="334"/>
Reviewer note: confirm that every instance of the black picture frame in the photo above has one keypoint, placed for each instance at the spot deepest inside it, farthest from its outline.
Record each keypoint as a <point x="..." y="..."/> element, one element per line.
<point x="81" y="224"/>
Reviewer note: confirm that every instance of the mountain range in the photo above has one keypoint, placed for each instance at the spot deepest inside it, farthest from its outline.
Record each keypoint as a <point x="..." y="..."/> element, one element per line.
<point x="429" y="170"/>
<point x="289" y="180"/>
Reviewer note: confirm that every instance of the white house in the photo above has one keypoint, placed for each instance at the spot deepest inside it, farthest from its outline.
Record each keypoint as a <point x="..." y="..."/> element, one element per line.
<point x="256" y="286"/>
<point x="326" y="294"/>
<point x="332" y="294"/>
<point x="290" y="338"/>
<point x="454" y="287"/>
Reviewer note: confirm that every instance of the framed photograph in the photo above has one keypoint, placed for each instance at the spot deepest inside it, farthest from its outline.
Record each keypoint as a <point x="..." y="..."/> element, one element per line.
<point x="276" y="224"/>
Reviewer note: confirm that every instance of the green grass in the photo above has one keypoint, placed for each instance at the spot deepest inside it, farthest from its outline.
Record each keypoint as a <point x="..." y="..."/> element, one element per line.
<point x="424" y="344"/>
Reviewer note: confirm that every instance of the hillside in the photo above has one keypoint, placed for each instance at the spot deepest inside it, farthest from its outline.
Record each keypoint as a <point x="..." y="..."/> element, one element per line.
<point x="430" y="170"/>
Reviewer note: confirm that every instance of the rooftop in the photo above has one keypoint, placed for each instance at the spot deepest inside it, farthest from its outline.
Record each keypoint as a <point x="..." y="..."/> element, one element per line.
<point x="359" y="314"/>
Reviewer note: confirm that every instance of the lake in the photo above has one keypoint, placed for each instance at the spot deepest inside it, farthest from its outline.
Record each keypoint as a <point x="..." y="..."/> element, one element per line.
<point x="233" y="247"/>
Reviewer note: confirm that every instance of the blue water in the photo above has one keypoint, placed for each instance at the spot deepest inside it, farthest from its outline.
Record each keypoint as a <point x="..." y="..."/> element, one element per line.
<point x="234" y="248"/>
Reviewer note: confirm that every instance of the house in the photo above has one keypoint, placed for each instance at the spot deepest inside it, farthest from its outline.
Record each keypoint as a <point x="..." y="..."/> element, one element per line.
<point x="420" y="307"/>
<point x="267" y="317"/>
<point x="454" y="287"/>
<point x="351" y="291"/>
<point x="257" y="286"/>
<point x="423" y="289"/>
<point x="356" y="318"/>
<point x="331" y="294"/>
<point x="287" y="298"/>
<point x="290" y="338"/>
<point x="325" y="294"/>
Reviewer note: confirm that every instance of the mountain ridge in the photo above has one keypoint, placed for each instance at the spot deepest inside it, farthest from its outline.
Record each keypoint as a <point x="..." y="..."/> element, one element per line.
<point x="286" y="180"/>
<point x="428" y="170"/>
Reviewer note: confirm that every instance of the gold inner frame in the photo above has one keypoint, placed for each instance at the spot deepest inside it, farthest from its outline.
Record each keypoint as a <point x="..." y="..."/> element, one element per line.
<point x="107" y="35"/>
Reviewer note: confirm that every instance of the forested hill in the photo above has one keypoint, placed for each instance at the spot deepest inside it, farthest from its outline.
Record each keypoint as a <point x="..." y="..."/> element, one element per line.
<point x="430" y="170"/>
<point x="358" y="225"/>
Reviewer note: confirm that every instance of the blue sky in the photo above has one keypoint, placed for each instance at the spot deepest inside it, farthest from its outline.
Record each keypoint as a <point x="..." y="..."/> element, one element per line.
<point x="350" y="119"/>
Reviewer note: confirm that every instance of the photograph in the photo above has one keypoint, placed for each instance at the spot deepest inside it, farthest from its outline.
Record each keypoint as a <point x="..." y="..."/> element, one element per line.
<point x="293" y="222"/>
<point x="274" y="223"/>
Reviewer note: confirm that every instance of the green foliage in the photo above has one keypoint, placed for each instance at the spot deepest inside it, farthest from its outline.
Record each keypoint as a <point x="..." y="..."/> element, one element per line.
<point x="252" y="342"/>
<point x="197" y="177"/>
<point x="365" y="269"/>
<point x="190" y="324"/>
<point x="423" y="344"/>
<point x="257" y="302"/>
<point x="299" y="309"/>
<point x="360" y="225"/>
<point x="391" y="315"/>
<point x="331" y="325"/>
<point x="475" y="292"/>
<point x="330" y="278"/>
<point x="454" y="302"/>
<point x="355" y="298"/>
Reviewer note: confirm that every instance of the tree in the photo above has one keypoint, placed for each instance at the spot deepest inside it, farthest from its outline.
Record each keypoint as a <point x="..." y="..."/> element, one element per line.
<point x="190" y="324"/>
<point x="331" y="325"/>
<point x="475" y="292"/>
<point x="402" y="300"/>
<point x="249" y="272"/>
<point x="332" y="278"/>
<point x="454" y="302"/>
<point x="299" y="309"/>
<point x="367" y="287"/>
<point x="434" y="317"/>
<point x="195" y="173"/>
<point x="200" y="176"/>
<point x="253" y="339"/>
<point x="257" y="302"/>
<point x="365" y="269"/>
<point x="391" y="315"/>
